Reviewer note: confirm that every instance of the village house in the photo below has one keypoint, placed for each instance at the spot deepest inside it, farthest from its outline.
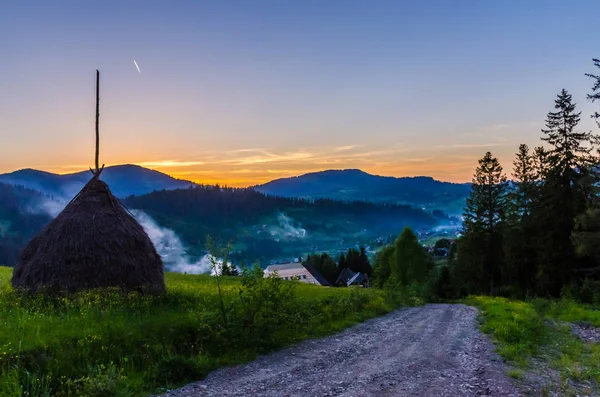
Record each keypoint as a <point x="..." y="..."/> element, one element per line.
<point x="296" y="271"/>
<point x="348" y="278"/>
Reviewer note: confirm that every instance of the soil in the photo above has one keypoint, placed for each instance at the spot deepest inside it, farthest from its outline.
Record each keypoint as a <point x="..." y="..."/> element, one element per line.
<point x="432" y="350"/>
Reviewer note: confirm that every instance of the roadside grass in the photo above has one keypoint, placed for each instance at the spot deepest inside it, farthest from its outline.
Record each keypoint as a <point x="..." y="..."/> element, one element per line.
<point x="538" y="329"/>
<point x="108" y="343"/>
<point x="516" y="326"/>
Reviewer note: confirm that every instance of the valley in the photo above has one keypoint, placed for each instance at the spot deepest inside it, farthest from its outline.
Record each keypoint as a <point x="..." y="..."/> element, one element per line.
<point x="260" y="227"/>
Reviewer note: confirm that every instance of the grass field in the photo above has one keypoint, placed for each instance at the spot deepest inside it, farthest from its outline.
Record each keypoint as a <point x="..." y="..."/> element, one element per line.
<point x="109" y="343"/>
<point x="536" y="334"/>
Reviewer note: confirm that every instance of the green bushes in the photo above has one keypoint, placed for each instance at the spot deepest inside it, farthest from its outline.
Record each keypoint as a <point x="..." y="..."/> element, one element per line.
<point x="113" y="344"/>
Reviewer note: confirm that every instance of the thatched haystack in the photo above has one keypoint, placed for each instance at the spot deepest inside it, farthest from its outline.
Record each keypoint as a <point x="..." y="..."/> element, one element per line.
<point x="93" y="243"/>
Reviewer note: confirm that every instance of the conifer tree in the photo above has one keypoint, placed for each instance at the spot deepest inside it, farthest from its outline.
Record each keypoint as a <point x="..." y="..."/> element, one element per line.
<point x="519" y="265"/>
<point x="564" y="194"/>
<point x="364" y="265"/>
<point x="342" y="262"/>
<point x="481" y="248"/>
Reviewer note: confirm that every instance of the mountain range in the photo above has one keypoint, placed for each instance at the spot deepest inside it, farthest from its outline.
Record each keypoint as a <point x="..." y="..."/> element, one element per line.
<point x="330" y="210"/>
<point x="124" y="180"/>
<point x="345" y="185"/>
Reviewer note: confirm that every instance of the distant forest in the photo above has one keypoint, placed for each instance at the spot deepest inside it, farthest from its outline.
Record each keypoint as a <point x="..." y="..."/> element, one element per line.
<point x="18" y="224"/>
<point x="236" y="215"/>
<point x="241" y="216"/>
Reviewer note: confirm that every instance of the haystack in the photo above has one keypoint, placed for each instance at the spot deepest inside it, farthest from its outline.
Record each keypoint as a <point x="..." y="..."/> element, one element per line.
<point x="93" y="243"/>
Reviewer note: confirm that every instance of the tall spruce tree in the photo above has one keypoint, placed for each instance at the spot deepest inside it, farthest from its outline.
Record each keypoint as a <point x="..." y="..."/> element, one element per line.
<point x="564" y="194"/>
<point x="365" y="265"/>
<point x="342" y="262"/>
<point x="518" y="269"/>
<point x="481" y="247"/>
<point x="569" y="152"/>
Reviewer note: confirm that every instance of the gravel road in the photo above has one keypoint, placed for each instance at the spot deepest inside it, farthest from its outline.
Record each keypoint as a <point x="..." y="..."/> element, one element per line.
<point x="432" y="350"/>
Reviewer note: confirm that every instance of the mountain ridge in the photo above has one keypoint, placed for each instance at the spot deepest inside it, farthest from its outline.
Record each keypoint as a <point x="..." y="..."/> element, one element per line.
<point x="124" y="180"/>
<point x="354" y="184"/>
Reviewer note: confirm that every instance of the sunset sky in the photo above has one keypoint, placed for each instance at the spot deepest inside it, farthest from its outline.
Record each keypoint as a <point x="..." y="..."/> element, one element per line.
<point x="242" y="92"/>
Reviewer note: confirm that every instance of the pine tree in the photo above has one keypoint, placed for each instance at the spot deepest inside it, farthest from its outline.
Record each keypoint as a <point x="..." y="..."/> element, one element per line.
<point x="365" y="266"/>
<point x="328" y="268"/>
<point x="483" y="216"/>
<point x="564" y="194"/>
<point x="353" y="260"/>
<point x="342" y="262"/>
<point x="595" y="95"/>
<point x="524" y="176"/>
<point x="519" y="266"/>
<point x="569" y="151"/>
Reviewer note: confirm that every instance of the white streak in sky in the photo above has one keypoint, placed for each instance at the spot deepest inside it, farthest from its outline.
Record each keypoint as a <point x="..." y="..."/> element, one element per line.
<point x="136" y="65"/>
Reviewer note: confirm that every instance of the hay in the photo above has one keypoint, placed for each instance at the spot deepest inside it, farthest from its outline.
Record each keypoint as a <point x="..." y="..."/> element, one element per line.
<point x="93" y="243"/>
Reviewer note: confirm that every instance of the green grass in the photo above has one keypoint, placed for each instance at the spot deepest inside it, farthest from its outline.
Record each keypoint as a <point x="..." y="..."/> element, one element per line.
<point x="523" y="330"/>
<point x="516" y="326"/>
<point x="104" y="343"/>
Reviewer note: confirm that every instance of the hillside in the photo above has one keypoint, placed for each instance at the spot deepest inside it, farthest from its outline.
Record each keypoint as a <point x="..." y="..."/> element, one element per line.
<point x="355" y="184"/>
<point x="265" y="227"/>
<point x="124" y="180"/>
<point x="22" y="215"/>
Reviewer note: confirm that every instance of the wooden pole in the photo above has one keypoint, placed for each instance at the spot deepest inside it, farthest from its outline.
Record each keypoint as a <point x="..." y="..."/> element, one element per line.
<point x="97" y="121"/>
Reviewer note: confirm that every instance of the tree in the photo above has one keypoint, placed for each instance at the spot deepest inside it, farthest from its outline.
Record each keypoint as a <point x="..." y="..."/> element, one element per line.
<point x="328" y="268"/>
<point x="565" y="192"/>
<point x="363" y="261"/>
<point x="411" y="262"/>
<point x="325" y="265"/>
<point x="569" y="151"/>
<point x="442" y="243"/>
<point x="519" y="245"/>
<point x="483" y="216"/>
<point x="353" y="260"/>
<point x="521" y="194"/>
<point x="342" y="262"/>
<point x="595" y="95"/>
<point x="383" y="262"/>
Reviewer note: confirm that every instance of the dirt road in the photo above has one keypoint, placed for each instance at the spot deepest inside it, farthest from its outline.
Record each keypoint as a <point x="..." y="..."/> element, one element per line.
<point x="433" y="350"/>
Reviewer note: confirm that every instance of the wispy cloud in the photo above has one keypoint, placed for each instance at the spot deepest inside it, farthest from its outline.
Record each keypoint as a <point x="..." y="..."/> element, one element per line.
<point x="471" y="145"/>
<point x="170" y="163"/>
<point x="345" y="148"/>
<point x="512" y="126"/>
<point x="269" y="157"/>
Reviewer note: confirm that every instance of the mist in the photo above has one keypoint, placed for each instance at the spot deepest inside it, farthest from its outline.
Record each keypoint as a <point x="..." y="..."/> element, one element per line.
<point x="167" y="243"/>
<point x="171" y="249"/>
<point x="285" y="229"/>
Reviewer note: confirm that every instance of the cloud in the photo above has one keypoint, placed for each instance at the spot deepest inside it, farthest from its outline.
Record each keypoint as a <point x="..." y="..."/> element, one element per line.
<point x="269" y="157"/>
<point x="471" y="145"/>
<point x="170" y="163"/>
<point x="345" y="148"/>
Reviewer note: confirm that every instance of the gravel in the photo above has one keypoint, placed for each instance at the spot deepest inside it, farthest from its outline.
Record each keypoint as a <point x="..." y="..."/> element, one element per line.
<point x="586" y="331"/>
<point x="432" y="350"/>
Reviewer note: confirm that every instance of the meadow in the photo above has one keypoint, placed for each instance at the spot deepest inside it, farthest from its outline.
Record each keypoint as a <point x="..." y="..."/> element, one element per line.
<point x="110" y="343"/>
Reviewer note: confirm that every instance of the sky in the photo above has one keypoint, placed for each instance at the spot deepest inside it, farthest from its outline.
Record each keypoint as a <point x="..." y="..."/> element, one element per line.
<point x="243" y="92"/>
